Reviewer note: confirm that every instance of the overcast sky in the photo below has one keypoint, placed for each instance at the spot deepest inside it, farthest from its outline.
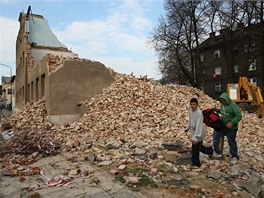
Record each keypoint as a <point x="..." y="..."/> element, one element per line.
<point x="114" y="32"/>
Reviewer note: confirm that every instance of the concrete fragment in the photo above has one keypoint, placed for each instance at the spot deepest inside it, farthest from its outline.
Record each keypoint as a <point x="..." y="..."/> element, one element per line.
<point x="233" y="171"/>
<point x="105" y="163"/>
<point x="74" y="172"/>
<point x="184" y="159"/>
<point x="90" y="157"/>
<point x="170" y="156"/>
<point x="173" y="146"/>
<point x="215" y="174"/>
<point x="121" y="167"/>
<point x="113" y="145"/>
<point x="139" y="151"/>
<point x="35" y="155"/>
<point x="251" y="185"/>
<point x="133" y="180"/>
<point x="194" y="187"/>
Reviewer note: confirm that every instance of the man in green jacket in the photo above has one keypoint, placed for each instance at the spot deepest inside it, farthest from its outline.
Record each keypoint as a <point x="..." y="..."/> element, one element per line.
<point x="231" y="116"/>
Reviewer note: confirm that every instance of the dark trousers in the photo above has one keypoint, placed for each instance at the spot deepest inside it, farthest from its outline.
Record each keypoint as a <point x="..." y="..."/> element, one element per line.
<point x="231" y="138"/>
<point x="196" y="148"/>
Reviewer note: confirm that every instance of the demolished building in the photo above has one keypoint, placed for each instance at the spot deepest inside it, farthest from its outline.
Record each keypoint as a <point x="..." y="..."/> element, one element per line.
<point x="46" y="69"/>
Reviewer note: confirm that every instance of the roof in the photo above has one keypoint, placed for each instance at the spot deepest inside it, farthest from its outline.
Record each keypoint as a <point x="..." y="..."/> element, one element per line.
<point x="13" y="79"/>
<point x="225" y="35"/>
<point x="40" y="33"/>
<point x="6" y="79"/>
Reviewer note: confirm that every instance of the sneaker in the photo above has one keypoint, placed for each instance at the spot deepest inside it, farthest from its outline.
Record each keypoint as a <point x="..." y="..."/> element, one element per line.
<point x="195" y="167"/>
<point x="216" y="155"/>
<point x="233" y="160"/>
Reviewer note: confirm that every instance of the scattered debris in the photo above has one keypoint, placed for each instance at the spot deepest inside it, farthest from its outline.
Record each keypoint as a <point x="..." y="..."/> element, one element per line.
<point x="132" y="128"/>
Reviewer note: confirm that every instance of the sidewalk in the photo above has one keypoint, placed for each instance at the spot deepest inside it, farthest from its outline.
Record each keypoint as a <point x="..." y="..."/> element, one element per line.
<point x="97" y="184"/>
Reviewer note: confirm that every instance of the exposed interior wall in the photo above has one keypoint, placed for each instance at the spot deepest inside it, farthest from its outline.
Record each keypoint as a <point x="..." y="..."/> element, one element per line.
<point x="38" y="54"/>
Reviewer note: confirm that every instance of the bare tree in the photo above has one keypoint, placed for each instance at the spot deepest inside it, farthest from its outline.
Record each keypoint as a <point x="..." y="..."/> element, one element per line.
<point x="186" y="24"/>
<point x="177" y="37"/>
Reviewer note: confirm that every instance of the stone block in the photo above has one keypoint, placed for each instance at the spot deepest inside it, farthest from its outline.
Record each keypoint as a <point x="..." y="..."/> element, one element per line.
<point x="171" y="156"/>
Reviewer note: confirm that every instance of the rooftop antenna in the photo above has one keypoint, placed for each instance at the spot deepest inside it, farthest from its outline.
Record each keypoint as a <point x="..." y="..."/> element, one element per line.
<point x="28" y="11"/>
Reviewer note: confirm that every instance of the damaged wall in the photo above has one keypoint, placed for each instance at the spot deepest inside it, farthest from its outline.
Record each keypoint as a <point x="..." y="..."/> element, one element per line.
<point x="64" y="82"/>
<point x="74" y="82"/>
<point x="47" y="70"/>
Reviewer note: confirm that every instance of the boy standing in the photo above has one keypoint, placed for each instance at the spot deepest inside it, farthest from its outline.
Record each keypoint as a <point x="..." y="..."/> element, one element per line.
<point x="198" y="131"/>
<point x="231" y="116"/>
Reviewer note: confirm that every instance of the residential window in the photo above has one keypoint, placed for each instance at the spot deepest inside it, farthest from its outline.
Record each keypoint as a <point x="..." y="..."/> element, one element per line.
<point x="249" y="47"/>
<point x="218" y="87"/>
<point x="236" y="68"/>
<point x="252" y="47"/>
<point x="217" y="54"/>
<point x="253" y="65"/>
<point x="201" y="57"/>
<point x="218" y="70"/>
<point x="253" y="81"/>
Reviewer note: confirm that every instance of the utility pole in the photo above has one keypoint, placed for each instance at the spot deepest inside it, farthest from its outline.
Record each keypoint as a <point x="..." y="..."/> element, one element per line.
<point x="8" y="67"/>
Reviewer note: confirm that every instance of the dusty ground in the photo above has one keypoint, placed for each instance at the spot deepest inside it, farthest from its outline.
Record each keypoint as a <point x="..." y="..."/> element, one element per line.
<point x="93" y="181"/>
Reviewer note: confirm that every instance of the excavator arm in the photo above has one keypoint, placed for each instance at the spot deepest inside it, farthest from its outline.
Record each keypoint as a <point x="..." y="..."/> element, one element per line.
<point x="247" y="90"/>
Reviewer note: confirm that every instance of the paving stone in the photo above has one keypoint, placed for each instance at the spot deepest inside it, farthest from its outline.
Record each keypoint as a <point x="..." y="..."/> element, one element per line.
<point x="177" y="181"/>
<point x="173" y="146"/>
<point x="101" y="195"/>
<point x="184" y="159"/>
<point x="124" y="194"/>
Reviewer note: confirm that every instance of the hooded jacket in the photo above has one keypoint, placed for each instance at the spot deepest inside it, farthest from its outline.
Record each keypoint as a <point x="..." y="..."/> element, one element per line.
<point x="195" y="125"/>
<point x="230" y="111"/>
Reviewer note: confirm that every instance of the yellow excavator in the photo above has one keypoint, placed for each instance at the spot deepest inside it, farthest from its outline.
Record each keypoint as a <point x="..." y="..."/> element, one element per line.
<point x="247" y="96"/>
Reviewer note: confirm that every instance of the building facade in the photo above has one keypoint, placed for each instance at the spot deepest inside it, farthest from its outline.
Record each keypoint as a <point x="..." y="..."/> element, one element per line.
<point x="223" y="58"/>
<point x="47" y="70"/>
<point x="6" y="92"/>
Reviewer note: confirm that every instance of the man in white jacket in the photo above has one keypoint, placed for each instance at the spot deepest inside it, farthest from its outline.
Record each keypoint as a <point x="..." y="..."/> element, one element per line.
<point x="198" y="132"/>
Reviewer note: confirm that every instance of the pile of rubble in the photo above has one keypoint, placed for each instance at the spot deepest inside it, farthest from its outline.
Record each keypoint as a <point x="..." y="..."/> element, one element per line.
<point x="30" y="132"/>
<point x="135" y="123"/>
<point x="57" y="62"/>
<point x="132" y="111"/>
